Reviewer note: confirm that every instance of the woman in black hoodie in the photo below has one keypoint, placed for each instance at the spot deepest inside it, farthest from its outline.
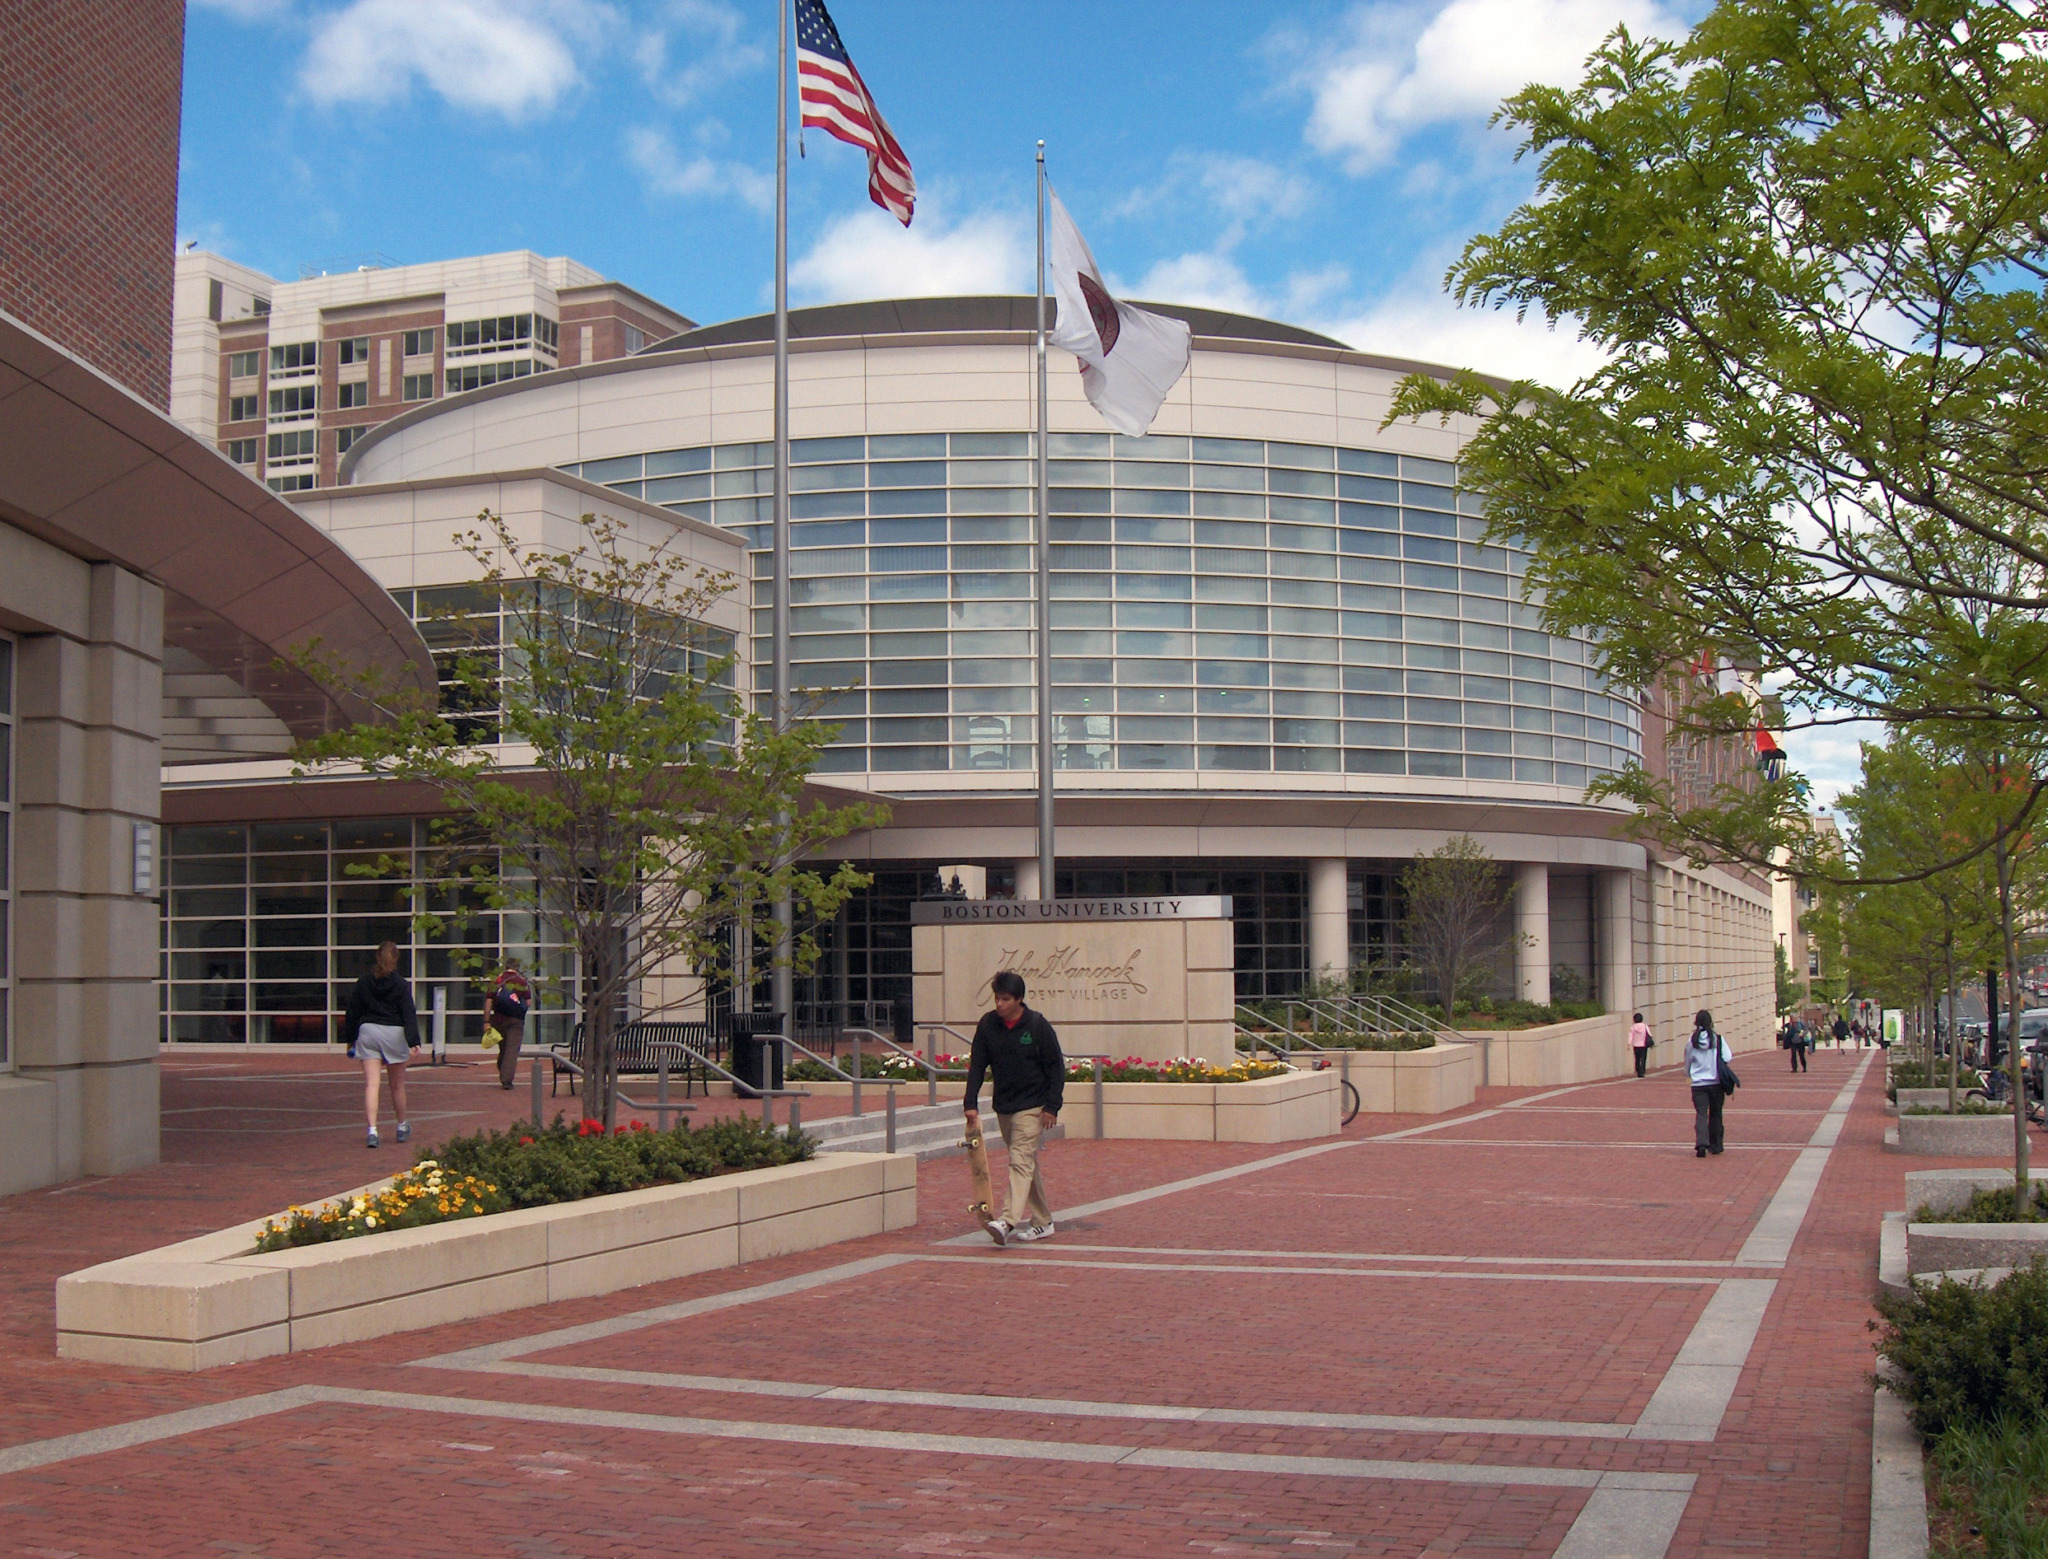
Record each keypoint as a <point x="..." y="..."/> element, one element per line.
<point x="382" y="1028"/>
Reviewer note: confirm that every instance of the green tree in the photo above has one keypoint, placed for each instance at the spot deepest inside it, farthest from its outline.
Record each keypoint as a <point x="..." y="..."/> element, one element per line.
<point x="1454" y="896"/>
<point x="598" y="772"/>
<point x="1790" y="992"/>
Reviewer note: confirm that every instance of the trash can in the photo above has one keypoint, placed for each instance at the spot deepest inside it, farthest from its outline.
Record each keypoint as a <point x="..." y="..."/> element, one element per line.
<point x="748" y="1049"/>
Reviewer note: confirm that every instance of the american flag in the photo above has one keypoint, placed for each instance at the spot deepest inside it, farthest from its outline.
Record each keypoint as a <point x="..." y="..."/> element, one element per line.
<point x="835" y="100"/>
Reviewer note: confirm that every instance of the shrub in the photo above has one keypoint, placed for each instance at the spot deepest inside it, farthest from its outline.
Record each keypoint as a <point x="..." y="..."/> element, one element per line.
<point x="563" y="1163"/>
<point x="1993" y="1206"/>
<point x="1967" y="1355"/>
<point x="1963" y="1107"/>
<point x="890" y="1064"/>
<point x="1415" y="1040"/>
<point x="1913" y="1074"/>
<point x="1491" y="1012"/>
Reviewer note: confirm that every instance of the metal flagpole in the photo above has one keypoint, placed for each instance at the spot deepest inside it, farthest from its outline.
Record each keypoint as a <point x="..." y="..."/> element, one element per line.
<point x="1045" y="821"/>
<point x="783" y="985"/>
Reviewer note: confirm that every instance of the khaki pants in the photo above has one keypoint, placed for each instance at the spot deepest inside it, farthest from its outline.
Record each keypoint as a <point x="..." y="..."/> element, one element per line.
<point x="1027" y="1191"/>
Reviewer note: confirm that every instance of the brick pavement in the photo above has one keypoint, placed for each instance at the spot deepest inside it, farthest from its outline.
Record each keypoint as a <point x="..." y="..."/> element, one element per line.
<point x="1458" y="1340"/>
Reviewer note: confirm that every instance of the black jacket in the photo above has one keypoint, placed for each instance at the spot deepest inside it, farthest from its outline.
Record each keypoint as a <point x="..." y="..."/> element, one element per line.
<point x="1029" y="1073"/>
<point x="381" y="998"/>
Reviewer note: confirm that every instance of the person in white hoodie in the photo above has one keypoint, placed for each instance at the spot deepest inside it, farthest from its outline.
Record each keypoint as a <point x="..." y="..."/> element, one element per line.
<point x="1706" y="1056"/>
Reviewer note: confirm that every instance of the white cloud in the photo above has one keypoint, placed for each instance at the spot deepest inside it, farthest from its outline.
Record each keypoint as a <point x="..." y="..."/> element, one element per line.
<point x="669" y="173"/>
<point x="1406" y="67"/>
<point x="869" y="254"/>
<point x="714" y="33"/>
<point x="508" y="57"/>
<point x="1427" y="325"/>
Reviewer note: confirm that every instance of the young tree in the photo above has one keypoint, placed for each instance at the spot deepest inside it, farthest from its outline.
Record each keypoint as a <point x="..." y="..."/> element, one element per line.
<point x="619" y="787"/>
<point x="1789" y="990"/>
<point x="1454" y="896"/>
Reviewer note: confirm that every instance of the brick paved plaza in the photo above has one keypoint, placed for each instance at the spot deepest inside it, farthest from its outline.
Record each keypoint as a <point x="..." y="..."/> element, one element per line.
<point x="1540" y="1326"/>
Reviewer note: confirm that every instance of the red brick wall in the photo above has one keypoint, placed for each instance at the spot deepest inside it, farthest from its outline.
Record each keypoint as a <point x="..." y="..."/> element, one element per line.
<point x="89" y="110"/>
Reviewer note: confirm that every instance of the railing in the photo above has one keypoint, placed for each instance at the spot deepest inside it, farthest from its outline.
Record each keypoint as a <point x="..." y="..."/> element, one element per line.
<point x="660" y="1106"/>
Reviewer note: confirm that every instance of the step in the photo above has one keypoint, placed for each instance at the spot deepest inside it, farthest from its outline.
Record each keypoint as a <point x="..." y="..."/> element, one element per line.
<point x="833" y="1127"/>
<point x="932" y="1139"/>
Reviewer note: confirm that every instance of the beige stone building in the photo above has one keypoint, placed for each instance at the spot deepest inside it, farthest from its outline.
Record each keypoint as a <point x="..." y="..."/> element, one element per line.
<point x="1284" y="659"/>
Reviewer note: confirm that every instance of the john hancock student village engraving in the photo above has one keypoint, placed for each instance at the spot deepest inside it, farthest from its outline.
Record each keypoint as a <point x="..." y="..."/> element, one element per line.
<point x="1059" y="975"/>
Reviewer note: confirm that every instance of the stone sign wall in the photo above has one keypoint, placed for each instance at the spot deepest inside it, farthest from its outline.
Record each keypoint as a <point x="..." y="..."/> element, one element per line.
<point x="1151" y="977"/>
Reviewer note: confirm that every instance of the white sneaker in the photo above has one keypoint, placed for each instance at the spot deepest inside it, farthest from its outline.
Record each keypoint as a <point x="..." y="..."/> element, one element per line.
<point x="998" y="1230"/>
<point x="1032" y="1231"/>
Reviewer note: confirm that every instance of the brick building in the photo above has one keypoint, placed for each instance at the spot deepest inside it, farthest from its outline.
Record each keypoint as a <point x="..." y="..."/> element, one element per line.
<point x="285" y="376"/>
<point x="89" y="182"/>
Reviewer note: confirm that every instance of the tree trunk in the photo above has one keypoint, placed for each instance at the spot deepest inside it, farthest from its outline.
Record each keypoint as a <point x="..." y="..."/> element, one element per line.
<point x="2009" y="940"/>
<point x="600" y="1047"/>
<point x="1949" y="948"/>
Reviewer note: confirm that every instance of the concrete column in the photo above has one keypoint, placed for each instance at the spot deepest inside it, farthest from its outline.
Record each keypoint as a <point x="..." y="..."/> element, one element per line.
<point x="85" y="941"/>
<point x="1614" y="940"/>
<point x="1329" y="918"/>
<point x="1027" y="878"/>
<point x="1532" y="927"/>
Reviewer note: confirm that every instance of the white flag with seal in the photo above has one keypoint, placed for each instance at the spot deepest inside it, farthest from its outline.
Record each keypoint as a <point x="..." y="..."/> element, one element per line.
<point x="1130" y="358"/>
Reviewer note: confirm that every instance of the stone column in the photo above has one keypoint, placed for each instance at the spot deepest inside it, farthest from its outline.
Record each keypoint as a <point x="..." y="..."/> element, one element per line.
<point x="91" y="710"/>
<point x="1532" y="927"/>
<point x="1027" y="877"/>
<point x="1329" y="918"/>
<point x="1614" y="940"/>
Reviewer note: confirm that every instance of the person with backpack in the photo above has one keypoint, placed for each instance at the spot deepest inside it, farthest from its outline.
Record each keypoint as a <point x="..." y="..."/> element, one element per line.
<point x="382" y="1029"/>
<point x="511" y="999"/>
<point x="1709" y="1065"/>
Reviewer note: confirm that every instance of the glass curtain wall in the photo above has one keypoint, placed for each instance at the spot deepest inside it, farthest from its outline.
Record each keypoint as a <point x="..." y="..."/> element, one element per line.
<point x="1220" y="604"/>
<point x="266" y="928"/>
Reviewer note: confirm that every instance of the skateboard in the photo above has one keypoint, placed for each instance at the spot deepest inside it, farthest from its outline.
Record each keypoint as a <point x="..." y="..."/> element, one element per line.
<point x="983" y="1205"/>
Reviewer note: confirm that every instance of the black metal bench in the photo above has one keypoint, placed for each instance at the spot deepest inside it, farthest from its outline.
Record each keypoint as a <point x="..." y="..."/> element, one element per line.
<point x="634" y="1047"/>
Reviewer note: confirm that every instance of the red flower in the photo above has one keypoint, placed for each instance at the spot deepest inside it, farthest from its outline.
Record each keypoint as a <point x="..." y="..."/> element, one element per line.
<point x="526" y="1142"/>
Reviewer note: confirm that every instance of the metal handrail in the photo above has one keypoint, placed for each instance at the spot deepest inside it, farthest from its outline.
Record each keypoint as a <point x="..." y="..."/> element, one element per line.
<point x="855" y="1078"/>
<point x="740" y="1085"/>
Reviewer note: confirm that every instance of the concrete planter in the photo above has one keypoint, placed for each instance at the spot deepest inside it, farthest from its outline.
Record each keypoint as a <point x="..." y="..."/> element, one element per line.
<point x="1411" y="1082"/>
<point x="1271" y="1109"/>
<point x="1949" y="1190"/>
<point x="1582" y="1051"/>
<point x="213" y="1300"/>
<point x="1956" y="1136"/>
<point x="1927" y="1098"/>
<point x="1949" y="1247"/>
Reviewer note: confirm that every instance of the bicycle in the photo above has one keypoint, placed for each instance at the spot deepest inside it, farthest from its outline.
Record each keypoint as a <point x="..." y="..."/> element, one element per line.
<point x="1997" y="1089"/>
<point x="1352" y="1100"/>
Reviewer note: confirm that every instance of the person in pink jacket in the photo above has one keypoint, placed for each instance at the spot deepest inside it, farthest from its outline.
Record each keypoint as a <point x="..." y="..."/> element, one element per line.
<point x="1640" y="1039"/>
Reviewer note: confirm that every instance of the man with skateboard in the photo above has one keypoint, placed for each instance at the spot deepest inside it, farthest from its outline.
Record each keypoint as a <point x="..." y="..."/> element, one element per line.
<point x="1021" y="1050"/>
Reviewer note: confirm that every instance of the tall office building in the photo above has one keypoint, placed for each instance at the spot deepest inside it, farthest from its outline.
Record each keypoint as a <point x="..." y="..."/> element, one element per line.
<point x="285" y="376"/>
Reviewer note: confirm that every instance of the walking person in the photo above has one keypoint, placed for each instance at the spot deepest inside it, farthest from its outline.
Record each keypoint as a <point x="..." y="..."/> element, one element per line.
<point x="511" y="998"/>
<point x="1022" y="1052"/>
<point x="1802" y="1045"/>
<point x="1708" y="1064"/>
<point x="1640" y="1039"/>
<point x="1842" y="1030"/>
<point x="382" y="1028"/>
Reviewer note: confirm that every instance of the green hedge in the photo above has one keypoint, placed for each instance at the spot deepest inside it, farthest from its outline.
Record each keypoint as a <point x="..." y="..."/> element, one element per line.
<point x="534" y="1166"/>
<point x="1967" y="1355"/>
<point x="1995" y="1206"/>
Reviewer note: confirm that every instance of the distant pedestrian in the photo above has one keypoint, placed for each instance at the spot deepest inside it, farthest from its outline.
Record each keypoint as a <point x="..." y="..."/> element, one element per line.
<point x="1640" y="1039"/>
<point x="1802" y="1043"/>
<point x="511" y="999"/>
<point x="382" y="1029"/>
<point x="1021" y="1049"/>
<point x="1709" y="1064"/>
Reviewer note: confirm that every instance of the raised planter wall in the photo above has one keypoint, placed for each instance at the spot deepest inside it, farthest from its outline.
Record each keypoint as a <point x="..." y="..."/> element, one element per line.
<point x="1956" y="1136"/>
<point x="214" y="1300"/>
<point x="1582" y="1051"/>
<point x="1947" y="1190"/>
<point x="1952" y="1247"/>
<point x="1273" y="1109"/>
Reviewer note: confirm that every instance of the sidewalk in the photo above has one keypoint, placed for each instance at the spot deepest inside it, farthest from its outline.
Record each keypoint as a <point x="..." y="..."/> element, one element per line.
<point x="1539" y="1327"/>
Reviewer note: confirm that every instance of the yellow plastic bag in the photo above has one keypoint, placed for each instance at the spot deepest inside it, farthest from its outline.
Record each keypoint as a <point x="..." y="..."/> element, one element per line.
<point x="492" y="1038"/>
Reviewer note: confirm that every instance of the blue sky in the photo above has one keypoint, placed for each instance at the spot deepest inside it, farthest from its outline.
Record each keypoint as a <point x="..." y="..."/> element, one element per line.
<point x="1319" y="161"/>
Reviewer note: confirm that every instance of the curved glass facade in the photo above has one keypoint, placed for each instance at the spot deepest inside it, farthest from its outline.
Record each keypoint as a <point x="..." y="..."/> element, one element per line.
<point x="1218" y="604"/>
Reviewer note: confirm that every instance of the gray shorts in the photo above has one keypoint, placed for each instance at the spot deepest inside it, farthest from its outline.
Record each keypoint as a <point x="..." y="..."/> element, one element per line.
<point x="382" y="1042"/>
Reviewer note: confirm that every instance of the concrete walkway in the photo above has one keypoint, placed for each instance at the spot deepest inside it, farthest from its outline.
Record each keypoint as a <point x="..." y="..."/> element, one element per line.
<point x="1541" y="1327"/>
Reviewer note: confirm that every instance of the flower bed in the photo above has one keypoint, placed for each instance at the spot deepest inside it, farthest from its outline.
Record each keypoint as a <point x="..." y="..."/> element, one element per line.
<point x="1181" y="1069"/>
<point x="530" y="1166"/>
